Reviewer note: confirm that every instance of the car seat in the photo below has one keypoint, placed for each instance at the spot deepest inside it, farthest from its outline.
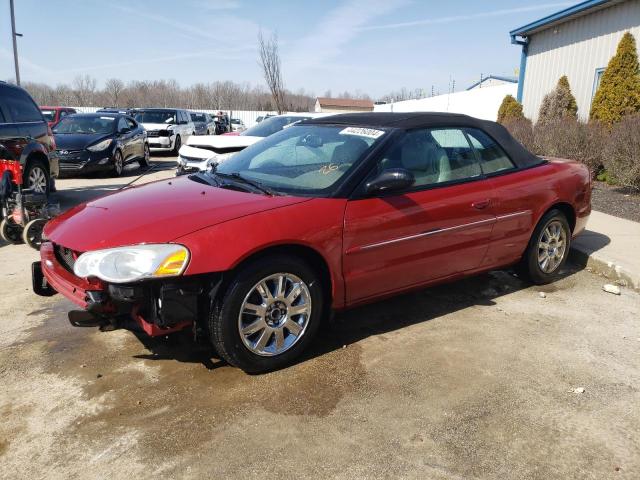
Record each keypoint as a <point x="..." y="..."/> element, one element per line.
<point x="427" y="161"/>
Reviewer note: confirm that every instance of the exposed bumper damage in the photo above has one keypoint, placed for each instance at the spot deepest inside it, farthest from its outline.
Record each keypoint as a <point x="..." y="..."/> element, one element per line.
<point x="158" y="307"/>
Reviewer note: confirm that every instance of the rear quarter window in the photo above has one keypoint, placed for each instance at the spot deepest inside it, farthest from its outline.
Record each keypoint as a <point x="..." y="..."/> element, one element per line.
<point x="22" y="108"/>
<point x="492" y="157"/>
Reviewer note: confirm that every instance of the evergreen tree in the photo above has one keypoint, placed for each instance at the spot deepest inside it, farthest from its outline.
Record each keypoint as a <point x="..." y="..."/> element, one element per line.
<point x="619" y="92"/>
<point x="510" y="109"/>
<point x="558" y="104"/>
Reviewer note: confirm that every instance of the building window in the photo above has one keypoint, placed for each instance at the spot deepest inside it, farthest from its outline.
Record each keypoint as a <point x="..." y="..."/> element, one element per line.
<point x="596" y="81"/>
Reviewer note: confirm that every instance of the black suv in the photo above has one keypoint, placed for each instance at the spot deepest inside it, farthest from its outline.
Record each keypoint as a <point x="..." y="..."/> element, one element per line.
<point x="26" y="136"/>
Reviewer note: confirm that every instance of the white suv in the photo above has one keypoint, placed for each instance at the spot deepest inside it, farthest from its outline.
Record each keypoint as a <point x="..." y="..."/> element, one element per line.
<point x="167" y="128"/>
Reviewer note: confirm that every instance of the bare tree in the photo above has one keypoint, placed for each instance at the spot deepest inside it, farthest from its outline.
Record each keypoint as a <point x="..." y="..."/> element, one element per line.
<point x="271" y="68"/>
<point x="113" y="87"/>
<point x="84" y="88"/>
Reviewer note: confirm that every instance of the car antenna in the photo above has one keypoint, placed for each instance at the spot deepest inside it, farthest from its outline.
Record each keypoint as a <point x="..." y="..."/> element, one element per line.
<point x="139" y="177"/>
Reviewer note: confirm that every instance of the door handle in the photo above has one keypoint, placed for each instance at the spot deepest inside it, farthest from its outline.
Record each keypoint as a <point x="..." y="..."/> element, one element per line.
<point x="481" y="204"/>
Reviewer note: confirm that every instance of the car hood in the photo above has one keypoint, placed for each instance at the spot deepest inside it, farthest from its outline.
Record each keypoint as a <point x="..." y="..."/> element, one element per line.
<point x="222" y="141"/>
<point x="156" y="126"/>
<point x="157" y="212"/>
<point x="73" y="141"/>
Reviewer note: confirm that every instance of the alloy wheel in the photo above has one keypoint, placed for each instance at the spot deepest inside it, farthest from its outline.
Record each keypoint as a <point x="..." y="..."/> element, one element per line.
<point x="117" y="163"/>
<point x="274" y="315"/>
<point x="552" y="246"/>
<point x="37" y="180"/>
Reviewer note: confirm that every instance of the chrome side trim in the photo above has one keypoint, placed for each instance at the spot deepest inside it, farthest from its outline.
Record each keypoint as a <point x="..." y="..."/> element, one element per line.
<point x="516" y="214"/>
<point x="437" y="231"/>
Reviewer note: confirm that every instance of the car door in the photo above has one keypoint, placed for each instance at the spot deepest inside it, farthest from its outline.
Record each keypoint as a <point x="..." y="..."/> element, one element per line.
<point x="438" y="228"/>
<point x="137" y="138"/>
<point x="516" y="193"/>
<point x="125" y="139"/>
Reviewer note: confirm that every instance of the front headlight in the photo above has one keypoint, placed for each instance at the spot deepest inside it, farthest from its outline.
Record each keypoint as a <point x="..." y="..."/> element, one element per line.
<point x="98" y="147"/>
<point x="129" y="264"/>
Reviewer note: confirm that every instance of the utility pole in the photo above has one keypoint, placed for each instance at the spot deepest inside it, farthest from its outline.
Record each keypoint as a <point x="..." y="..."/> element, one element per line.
<point x="14" y="36"/>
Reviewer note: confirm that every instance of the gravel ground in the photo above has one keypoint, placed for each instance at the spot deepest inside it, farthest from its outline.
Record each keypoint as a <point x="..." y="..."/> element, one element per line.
<point x="481" y="378"/>
<point x="616" y="201"/>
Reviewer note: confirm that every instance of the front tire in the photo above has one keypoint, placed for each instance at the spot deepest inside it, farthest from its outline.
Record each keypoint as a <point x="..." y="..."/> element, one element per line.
<point x="176" y="145"/>
<point x="548" y="249"/>
<point x="144" y="161"/>
<point x="268" y="315"/>
<point x="36" y="177"/>
<point x="118" y="164"/>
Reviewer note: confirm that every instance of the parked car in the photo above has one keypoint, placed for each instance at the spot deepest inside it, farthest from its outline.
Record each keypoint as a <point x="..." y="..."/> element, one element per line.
<point x="325" y="215"/>
<point x="262" y="117"/>
<point x="199" y="153"/>
<point x="26" y="136"/>
<point x="92" y="142"/>
<point x="222" y="123"/>
<point x="53" y="114"/>
<point x="167" y="128"/>
<point x="124" y="111"/>
<point x="203" y="123"/>
<point x="237" y="125"/>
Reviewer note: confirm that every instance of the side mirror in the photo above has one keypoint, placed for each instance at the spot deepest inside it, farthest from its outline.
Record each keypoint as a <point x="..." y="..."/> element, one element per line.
<point x="393" y="179"/>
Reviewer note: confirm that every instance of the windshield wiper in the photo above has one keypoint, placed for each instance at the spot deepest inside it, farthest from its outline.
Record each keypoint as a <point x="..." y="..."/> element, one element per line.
<point x="257" y="185"/>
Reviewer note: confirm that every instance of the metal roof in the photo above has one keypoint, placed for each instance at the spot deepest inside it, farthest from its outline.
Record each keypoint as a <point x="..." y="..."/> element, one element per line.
<point x="562" y="16"/>
<point x="495" y="77"/>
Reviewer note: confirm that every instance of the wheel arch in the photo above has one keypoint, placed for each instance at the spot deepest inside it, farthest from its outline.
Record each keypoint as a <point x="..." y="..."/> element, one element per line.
<point x="568" y="211"/>
<point x="314" y="258"/>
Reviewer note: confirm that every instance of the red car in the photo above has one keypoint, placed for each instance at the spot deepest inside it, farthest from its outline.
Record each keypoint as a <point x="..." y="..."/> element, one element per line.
<point x="54" y="114"/>
<point x="330" y="213"/>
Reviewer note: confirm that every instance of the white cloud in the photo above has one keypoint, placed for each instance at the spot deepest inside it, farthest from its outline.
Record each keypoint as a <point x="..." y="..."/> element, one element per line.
<point x="337" y="29"/>
<point x="460" y="18"/>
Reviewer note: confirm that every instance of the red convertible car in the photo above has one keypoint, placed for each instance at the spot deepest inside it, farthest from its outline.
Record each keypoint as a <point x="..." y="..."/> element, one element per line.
<point x="328" y="214"/>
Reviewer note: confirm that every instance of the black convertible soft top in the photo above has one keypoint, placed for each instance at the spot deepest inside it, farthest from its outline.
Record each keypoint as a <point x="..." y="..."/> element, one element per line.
<point x="522" y="157"/>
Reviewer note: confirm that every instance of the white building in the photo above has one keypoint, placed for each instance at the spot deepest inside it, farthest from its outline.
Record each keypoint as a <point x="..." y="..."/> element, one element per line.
<point x="478" y="102"/>
<point x="577" y="42"/>
<point x="492" y="81"/>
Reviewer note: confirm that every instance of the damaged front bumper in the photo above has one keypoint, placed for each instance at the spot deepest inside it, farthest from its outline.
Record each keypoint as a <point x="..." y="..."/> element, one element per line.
<point x="159" y="307"/>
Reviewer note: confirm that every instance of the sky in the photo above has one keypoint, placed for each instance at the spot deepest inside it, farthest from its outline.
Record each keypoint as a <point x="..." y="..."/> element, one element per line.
<point x="368" y="46"/>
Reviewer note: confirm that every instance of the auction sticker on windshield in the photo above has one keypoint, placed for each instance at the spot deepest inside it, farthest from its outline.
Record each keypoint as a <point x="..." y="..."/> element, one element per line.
<point x="362" y="132"/>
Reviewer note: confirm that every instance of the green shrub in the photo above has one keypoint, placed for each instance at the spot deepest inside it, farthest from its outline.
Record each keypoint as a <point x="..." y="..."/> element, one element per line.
<point x="558" y="104"/>
<point x="618" y="94"/>
<point x="621" y="156"/>
<point x="510" y="109"/>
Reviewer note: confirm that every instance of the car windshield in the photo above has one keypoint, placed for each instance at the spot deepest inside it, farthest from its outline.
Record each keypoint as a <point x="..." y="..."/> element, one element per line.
<point x="235" y="120"/>
<point x="49" y="115"/>
<point x="271" y="125"/>
<point x="305" y="160"/>
<point x="156" y="116"/>
<point x="197" y="117"/>
<point x="85" y="125"/>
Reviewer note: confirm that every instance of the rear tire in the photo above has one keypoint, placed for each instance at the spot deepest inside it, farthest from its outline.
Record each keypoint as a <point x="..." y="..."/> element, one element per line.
<point x="548" y="249"/>
<point x="272" y="336"/>
<point x="11" y="232"/>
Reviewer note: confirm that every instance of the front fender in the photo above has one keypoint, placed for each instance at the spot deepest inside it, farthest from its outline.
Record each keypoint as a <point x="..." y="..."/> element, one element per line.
<point x="316" y="224"/>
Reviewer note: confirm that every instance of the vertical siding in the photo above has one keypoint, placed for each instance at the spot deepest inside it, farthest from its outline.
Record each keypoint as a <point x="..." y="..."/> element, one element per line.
<point x="576" y="49"/>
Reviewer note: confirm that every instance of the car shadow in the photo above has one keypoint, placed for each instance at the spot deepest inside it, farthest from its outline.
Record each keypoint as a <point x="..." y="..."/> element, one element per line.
<point x="585" y="245"/>
<point x="354" y="325"/>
